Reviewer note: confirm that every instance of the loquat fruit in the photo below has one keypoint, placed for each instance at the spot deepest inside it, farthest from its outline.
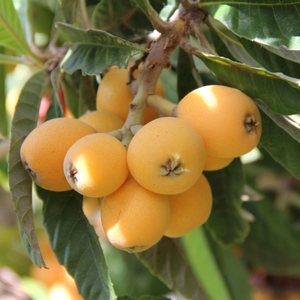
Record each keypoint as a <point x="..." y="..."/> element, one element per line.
<point x="133" y="217"/>
<point x="213" y="163"/>
<point x="166" y="156"/>
<point x="96" y="165"/>
<point x="114" y="95"/>
<point x="190" y="209"/>
<point x="227" y="119"/>
<point x="44" y="149"/>
<point x="102" y="121"/>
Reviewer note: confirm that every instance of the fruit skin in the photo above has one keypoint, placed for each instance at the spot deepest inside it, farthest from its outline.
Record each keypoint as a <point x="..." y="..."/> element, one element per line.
<point x="190" y="209"/>
<point x="218" y="113"/>
<point x="44" y="149"/>
<point x="96" y="165"/>
<point x="114" y="95"/>
<point x="134" y="218"/>
<point x="213" y="163"/>
<point x="166" y="156"/>
<point x="102" y="121"/>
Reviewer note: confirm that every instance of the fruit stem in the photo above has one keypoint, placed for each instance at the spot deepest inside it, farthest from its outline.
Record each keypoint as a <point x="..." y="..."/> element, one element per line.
<point x="162" y="105"/>
<point x="156" y="61"/>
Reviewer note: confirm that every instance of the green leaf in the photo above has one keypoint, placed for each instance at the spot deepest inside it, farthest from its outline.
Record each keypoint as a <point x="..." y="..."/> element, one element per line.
<point x="232" y="270"/>
<point x="273" y="241"/>
<point x="70" y="86"/>
<point x="24" y="121"/>
<point x="270" y="60"/>
<point x="188" y="77"/>
<point x="226" y="223"/>
<point x="87" y="95"/>
<point x="264" y="23"/>
<point x="32" y="254"/>
<point x="122" y="18"/>
<point x="280" y="144"/>
<point x="169" y="9"/>
<point x="11" y="60"/>
<point x="142" y="298"/>
<point x="69" y="8"/>
<point x="75" y="243"/>
<point x="167" y="262"/>
<point x="285" y="122"/>
<point x="11" y="32"/>
<point x="23" y="8"/>
<point x="202" y="260"/>
<point x="55" y="109"/>
<point x="280" y="93"/>
<point x="95" y="50"/>
<point x="3" y="115"/>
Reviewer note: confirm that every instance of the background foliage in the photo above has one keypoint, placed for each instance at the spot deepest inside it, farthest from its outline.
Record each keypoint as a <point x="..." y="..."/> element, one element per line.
<point x="258" y="45"/>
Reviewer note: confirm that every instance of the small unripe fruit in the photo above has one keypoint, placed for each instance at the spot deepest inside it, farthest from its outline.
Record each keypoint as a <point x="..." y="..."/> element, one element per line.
<point x="102" y="121"/>
<point x="213" y="163"/>
<point x="96" y="165"/>
<point x="134" y="218"/>
<point x="190" y="209"/>
<point x="227" y="119"/>
<point x="44" y="149"/>
<point x="114" y="95"/>
<point x="166" y="156"/>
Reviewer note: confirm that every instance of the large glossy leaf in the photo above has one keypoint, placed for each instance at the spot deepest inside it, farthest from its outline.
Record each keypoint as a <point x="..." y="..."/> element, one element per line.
<point x="3" y="117"/>
<point x="123" y="18"/>
<point x="260" y="21"/>
<point x="55" y="109"/>
<point x="24" y="121"/>
<point x="280" y="144"/>
<point x="270" y="60"/>
<point x="71" y="86"/>
<point x="76" y="244"/>
<point x="87" y="95"/>
<point x="11" y="32"/>
<point x="281" y="94"/>
<point x="167" y="262"/>
<point x="69" y="8"/>
<point x="95" y="50"/>
<point x="226" y="223"/>
<point x="142" y="298"/>
<point x="273" y="241"/>
<point x="233" y="270"/>
<point x="23" y="8"/>
<point x="188" y="77"/>
<point x="203" y="262"/>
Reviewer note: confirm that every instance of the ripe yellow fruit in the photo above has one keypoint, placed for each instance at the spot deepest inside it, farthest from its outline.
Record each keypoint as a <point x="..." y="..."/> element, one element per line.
<point x="213" y="163"/>
<point x="96" y="165"/>
<point x="227" y="119"/>
<point x="190" y="209"/>
<point x="102" y="121"/>
<point x="114" y="95"/>
<point x="166" y="156"/>
<point x="134" y="218"/>
<point x="44" y="149"/>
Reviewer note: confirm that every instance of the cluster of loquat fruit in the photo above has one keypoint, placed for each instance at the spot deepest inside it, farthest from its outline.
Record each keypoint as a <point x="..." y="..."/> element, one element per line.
<point x="155" y="187"/>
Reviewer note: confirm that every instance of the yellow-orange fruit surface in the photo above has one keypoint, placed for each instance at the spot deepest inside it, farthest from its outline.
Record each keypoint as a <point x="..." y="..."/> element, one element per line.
<point x="227" y="119"/>
<point x="213" y="163"/>
<point x="166" y="156"/>
<point x="102" y="121"/>
<point x="44" y="149"/>
<point x="96" y="165"/>
<point x="190" y="209"/>
<point x="134" y="218"/>
<point x="114" y="95"/>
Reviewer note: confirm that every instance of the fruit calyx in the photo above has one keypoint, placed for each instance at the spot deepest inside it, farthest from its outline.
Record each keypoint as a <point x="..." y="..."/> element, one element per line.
<point x="72" y="173"/>
<point x="250" y="123"/>
<point x="32" y="174"/>
<point x="172" y="167"/>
